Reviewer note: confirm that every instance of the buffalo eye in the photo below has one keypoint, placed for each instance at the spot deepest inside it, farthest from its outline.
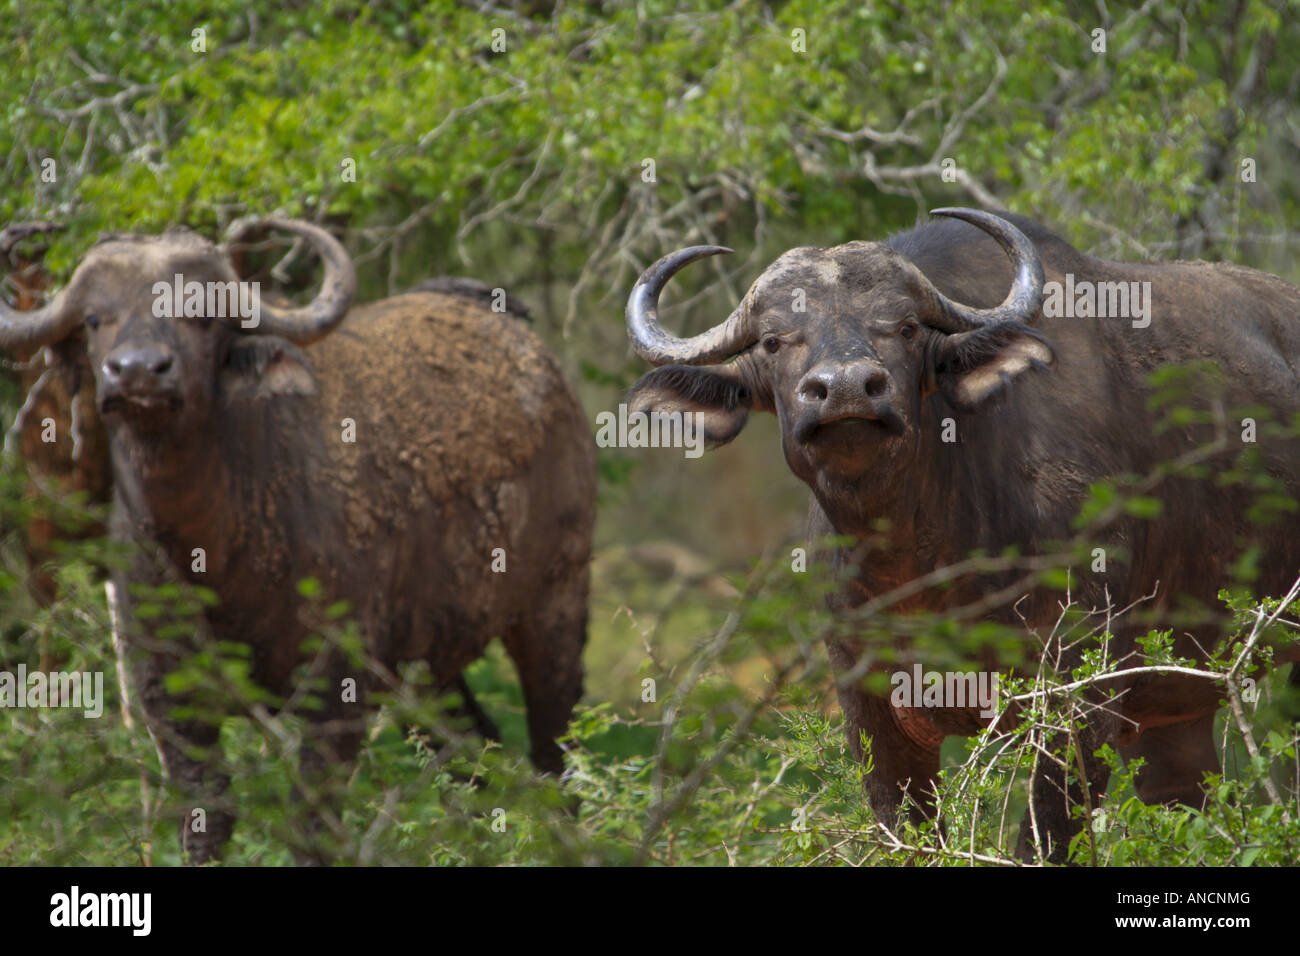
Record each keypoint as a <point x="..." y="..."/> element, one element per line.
<point x="771" y="343"/>
<point x="908" y="331"/>
<point x="92" y="321"/>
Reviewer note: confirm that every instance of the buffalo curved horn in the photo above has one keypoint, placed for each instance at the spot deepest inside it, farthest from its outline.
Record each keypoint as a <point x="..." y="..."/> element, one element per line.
<point x="316" y="319"/>
<point x="28" y="331"/>
<point x="1026" y="295"/>
<point x="659" y="347"/>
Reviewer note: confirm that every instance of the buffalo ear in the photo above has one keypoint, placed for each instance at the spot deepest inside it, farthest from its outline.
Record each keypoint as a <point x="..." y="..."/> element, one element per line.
<point x="259" y="367"/>
<point x="716" y="393"/>
<point x="970" y="368"/>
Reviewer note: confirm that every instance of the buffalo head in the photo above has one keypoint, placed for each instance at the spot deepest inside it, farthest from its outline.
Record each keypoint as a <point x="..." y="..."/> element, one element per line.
<point x="165" y="332"/>
<point x="843" y="345"/>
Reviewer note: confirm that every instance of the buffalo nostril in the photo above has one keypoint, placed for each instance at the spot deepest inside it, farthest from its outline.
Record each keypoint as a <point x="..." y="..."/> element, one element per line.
<point x="876" y="384"/>
<point x="162" y="365"/>
<point x="813" y="390"/>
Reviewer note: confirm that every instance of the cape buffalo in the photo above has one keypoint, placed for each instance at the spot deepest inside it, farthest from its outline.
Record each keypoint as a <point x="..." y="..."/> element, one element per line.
<point x="911" y="386"/>
<point x="422" y="458"/>
<point x="61" y="436"/>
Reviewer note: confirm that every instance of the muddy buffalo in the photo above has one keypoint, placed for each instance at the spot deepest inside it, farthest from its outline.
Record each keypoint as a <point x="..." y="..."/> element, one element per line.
<point x="61" y="436"/>
<point x="945" y="382"/>
<point x="423" y="458"/>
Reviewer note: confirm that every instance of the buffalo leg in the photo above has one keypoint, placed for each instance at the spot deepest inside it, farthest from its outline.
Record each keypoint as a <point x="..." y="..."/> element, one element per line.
<point x="205" y="823"/>
<point x="467" y="711"/>
<point x="190" y="755"/>
<point x="316" y="757"/>
<point x="331" y="740"/>
<point x="189" y="750"/>
<point x="1055" y="800"/>
<point x="547" y="652"/>
<point x="470" y="710"/>
<point x="898" y="761"/>
<point x="1177" y="758"/>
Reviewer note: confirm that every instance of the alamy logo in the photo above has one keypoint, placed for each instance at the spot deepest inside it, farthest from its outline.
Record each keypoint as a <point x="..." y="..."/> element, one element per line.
<point x="212" y="300"/>
<point x="1098" y="300"/>
<point x="945" y="689"/>
<point x="55" y="689"/>
<point x="75" y="908"/>
<point x="652" y="430"/>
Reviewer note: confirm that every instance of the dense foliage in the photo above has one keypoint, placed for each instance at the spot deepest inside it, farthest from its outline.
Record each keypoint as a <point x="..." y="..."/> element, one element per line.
<point x="556" y="149"/>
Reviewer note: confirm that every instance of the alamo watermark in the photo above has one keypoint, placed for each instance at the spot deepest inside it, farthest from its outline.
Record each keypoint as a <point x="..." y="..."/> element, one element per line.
<point x="917" y="688"/>
<point x="651" y="430"/>
<point x="1098" y="300"/>
<point x="84" y="691"/>
<point x="213" y="300"/>
<point x="133" y="910"/>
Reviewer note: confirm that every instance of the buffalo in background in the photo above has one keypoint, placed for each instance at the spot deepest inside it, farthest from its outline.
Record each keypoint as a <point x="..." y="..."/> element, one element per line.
<point x="423" y="458"/>
<point x="56" y="385"/>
